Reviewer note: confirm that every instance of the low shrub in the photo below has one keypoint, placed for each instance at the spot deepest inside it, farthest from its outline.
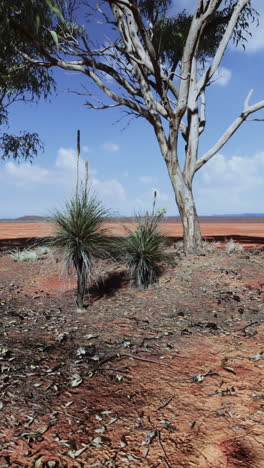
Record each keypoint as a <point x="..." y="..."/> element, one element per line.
<point x="29" y="255"/>
<point x="143" y="249"/>
<point x="79" y="236"/>
<point x="234" y="248"/>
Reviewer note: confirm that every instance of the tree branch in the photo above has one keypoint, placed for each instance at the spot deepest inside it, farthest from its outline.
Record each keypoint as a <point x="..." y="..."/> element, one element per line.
<point x="230" y="130"/>
<point x="222" y="46"/>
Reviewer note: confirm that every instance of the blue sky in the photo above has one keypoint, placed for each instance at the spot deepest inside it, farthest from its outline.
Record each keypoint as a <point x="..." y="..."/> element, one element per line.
<point x="125" y="165"/>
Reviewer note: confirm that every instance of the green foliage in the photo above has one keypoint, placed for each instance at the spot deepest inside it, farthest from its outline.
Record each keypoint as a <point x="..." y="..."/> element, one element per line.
<point x="80" y="236"/>
<point x="25" y="145"/>
<point x="20" y="80"/>
<point x="152" y="9"/>
<point x="170" y="33"/>
<point x="143" y="249"/>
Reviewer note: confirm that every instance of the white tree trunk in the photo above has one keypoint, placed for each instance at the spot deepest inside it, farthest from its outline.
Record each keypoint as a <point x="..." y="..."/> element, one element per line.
<point x="192" y="238"/>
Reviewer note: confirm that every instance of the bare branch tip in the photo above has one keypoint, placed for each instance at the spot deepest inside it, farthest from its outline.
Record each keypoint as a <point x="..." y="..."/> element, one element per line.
<point x="246" y="103"/>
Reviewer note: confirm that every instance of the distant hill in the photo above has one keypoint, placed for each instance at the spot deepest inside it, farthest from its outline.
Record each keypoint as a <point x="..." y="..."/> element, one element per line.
<point x="234" y="215"/>
<point x="128" y="219"/>
<point x="26" y="219"/>
<point x="30" y="219"/>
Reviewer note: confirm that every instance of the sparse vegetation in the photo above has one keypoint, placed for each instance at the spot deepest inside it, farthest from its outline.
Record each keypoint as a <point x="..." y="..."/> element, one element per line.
<point x="165" y="341"/>
<point x="29" y="255"/>
<point x="207" y="248"/>
<point x="80" y="237"/>
<point x="79" y="232"/>
<point x="144" y="248"/>
<point x="233" y="247"/>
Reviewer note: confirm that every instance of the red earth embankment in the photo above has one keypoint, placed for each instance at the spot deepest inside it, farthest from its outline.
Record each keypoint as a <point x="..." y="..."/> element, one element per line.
<point x="247" y="231"/>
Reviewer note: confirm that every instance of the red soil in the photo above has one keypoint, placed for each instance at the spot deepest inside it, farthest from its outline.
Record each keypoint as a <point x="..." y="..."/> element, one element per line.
<point x="210" y="229"/>
<point x="172" y="377"/>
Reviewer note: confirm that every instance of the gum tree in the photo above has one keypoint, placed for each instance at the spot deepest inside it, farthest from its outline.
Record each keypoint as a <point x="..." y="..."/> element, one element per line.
<point x="20" y="81"/>
<point x="158" y="67"/>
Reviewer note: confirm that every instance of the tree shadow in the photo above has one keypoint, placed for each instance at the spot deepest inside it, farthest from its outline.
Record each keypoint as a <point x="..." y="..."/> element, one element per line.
<point x="107" y="287"/>
<point x="22" y="243"/>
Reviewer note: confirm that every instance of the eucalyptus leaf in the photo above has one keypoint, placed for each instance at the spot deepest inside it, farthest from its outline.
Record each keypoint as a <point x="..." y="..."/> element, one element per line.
<point x="77" y="380"/>
<point x="90" y="336"/>
<point x="257" y="357"/>
<point x="55" y="38"/>
<point x="97" y="441"/>
<point x="77" y="453"/>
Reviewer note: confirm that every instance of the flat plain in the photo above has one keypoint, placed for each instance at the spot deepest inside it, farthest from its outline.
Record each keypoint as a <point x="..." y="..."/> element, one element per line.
<point x="210" y="226"/>
<point x="168" y="377"/>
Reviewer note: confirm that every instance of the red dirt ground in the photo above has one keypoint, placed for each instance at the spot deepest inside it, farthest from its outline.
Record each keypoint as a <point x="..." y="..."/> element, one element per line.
<point x="169" y="377"/>
<point x="235" y="228"/>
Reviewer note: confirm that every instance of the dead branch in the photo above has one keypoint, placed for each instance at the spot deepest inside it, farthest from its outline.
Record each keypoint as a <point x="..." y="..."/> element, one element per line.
<point x="139" y="358"/>
<point x="250" y="324"/>
<point x="165" y="458"/>
<point x="163" y="405"/>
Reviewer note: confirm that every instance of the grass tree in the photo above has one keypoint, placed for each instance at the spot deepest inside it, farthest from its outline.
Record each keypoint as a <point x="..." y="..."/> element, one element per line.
<point x="79" y="234"/>
<point x="143" y="248"/>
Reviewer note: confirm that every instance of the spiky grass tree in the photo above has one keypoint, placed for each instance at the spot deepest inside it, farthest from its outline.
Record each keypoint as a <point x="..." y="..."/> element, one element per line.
<point x="81" y="237"/>
<point x="79" y="234"/>
<point x="144" y="248"/>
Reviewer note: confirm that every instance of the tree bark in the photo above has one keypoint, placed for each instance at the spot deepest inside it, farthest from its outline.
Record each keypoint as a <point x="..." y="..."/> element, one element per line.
<point x="81" y="283"/>
<point x="192" y="237"/>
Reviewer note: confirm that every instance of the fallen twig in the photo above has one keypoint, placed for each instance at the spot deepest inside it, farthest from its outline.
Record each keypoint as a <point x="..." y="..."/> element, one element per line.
<point x="165" y="458"/>
<point x="250" y="324"/>
<point x="139" y="358"/>
<point x="166" y="402"/>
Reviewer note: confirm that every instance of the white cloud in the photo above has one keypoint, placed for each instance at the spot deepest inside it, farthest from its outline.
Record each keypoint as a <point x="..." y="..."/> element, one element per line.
<point x="86" y="149"/>
<point x="146" y="179"/>
<point x="34" y="189"/>
<point x="109" y="189"/>
<point x="110" y="147"/>
<point x="222" y="76"/>
<point x="24" y="173"/>
<point x="231" y="185"/>
<point x="66" y="159"/>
